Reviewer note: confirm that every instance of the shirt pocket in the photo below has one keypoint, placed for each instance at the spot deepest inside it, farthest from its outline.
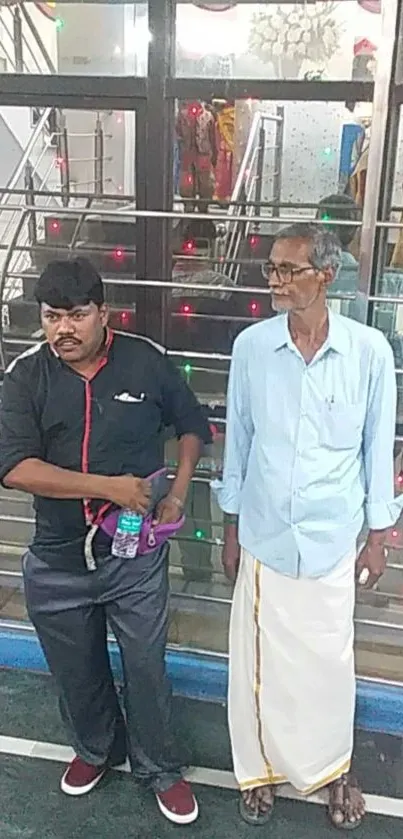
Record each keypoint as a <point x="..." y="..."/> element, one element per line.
<point x="340" y="426"/>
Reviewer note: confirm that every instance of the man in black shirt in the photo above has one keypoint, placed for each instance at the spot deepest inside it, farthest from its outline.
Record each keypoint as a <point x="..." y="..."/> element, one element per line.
<point x="82" y="422"/>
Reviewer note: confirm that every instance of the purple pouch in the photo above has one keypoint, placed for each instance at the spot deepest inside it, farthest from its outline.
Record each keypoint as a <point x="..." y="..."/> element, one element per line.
<point x="151" y="536"/>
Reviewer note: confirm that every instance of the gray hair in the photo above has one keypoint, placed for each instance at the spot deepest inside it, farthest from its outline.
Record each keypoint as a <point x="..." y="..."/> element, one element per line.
<point x="326" y="247"/>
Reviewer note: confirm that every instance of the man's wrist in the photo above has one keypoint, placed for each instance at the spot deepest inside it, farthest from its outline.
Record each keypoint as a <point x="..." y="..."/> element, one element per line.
<point x="377" y="538"/>
<point x="101" y="487"/>
<point x="174" y="499"/>
<point x="179" y="491"/>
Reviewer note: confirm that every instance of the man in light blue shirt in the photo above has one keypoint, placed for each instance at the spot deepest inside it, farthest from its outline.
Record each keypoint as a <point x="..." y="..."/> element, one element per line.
<point x="309" y="457"/>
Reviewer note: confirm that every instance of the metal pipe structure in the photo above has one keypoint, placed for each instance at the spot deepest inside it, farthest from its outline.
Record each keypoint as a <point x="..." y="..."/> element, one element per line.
<point x="25" y="158"/>
<point x="30" y="199"/>
<point x="173" y="214"/>
<point x="63" y="160"/>
<point x="37" y="38"/>
<point x="98" y="158"/>
<point x="18" y="41"/>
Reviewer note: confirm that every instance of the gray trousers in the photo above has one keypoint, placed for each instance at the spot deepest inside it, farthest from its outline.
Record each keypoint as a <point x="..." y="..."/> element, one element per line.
<point x="70" y="611"/>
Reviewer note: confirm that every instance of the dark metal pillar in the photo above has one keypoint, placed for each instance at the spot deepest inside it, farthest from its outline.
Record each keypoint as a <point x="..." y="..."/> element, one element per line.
<point x="159" y="167"/>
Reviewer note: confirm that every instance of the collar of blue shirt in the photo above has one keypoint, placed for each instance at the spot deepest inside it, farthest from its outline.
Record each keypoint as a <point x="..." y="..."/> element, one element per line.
<point x="337" y="338"/>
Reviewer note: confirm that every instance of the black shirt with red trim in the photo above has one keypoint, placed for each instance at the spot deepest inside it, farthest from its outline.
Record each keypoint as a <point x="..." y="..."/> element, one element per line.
<point x="114" y="424"/>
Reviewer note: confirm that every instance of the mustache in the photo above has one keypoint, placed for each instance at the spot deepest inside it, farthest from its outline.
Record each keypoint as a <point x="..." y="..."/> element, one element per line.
<point x="66" y="340"/>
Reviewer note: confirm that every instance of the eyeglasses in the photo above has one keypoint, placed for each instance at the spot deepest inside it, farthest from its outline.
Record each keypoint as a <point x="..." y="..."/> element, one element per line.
<point x="284" y="273"/>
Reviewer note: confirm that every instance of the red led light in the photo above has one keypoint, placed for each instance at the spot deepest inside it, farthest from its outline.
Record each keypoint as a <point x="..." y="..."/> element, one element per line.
<point x="59" y="161"/>
<point x="189" y="179"/>
<point x="254" y="308"/>
<point x="54" y="227"/>
<point x="118" y="254"/>
<point x="189" y="246"/>
<point x="194" y="109"/>
<point x="124" y="318"/>
<point x="254" y="241"/>
<point x="399" y="479"/>
<point x="186" y="309"/>
<point x="394" y="533"/>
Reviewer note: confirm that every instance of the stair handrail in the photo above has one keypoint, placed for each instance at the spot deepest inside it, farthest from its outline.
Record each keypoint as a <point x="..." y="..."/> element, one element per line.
<point x="20" y="168"/>
<point x="232" y="238"/>
<point x="37" y="38"/>
<point x="11" y="34"/>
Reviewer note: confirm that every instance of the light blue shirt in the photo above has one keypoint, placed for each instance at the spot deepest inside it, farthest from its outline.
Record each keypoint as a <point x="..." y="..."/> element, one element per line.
<point x="309" y="447"/>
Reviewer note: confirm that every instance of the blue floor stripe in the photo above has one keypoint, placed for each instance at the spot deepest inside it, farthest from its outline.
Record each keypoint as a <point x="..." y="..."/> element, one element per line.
<point x="379" y="706"/>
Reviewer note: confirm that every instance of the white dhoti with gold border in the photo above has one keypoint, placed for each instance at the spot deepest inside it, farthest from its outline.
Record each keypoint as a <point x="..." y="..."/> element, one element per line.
<point x="291" y="677"/>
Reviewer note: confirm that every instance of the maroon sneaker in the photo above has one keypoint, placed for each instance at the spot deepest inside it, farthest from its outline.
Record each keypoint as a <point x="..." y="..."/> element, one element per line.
<point x="81" y="777"/>
<point x="178" y="804"/>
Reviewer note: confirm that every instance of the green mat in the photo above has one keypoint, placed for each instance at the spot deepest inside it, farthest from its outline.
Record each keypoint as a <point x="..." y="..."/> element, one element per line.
<point x="32" y="807"/>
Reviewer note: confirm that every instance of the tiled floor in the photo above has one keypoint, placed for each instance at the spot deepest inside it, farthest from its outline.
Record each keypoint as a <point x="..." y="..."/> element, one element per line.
<point x="32" y="806"/>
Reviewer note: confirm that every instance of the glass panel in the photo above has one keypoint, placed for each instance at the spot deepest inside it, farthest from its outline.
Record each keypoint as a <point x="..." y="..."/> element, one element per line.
<point x="318" y="40"/>
<point x="59" y="38"/>
<point x="265" y="161"/>
<point x="62" y="163"/>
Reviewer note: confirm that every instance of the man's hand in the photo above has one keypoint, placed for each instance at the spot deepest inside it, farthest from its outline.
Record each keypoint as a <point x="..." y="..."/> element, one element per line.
<point x="231" y="553"/>
<point x="371" y="563"/>
<point x="130" y="492"/>
<point x="169" y="510"/>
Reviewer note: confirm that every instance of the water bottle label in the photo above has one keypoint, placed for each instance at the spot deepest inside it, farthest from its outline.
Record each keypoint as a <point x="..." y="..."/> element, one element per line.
<point x="129" y="523"/>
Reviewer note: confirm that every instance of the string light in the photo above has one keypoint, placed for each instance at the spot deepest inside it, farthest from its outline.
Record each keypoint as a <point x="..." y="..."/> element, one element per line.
<point x="254" y="240"/>
<point x="59" y="22"/>
<point x="188" y="369"/>
<point x="186" y="309"/>
<point x="194" y="109"/>
<point x="118" y="254"/>
<point x="327" y="151"/>
<point x="54" y="226"/>
<point x="189" y="246"/>
<point x="254" y="308"/>
<point x="199" y="534"/>
<point x="59" y="161"/>
<point x="124" y="318"/>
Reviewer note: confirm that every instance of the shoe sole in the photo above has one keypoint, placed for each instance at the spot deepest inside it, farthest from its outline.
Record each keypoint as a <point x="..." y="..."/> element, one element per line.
<point x="76" y="791"/>
<point x="175" y="818"/>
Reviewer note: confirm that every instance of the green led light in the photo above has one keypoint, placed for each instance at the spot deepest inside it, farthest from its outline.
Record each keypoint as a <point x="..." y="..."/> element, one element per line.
<point x="188" y="369"/>
<point x="327" y="151"/>
<point x="199" y="534"/>
<point x="325" y="217"/>
<point x="59" y="23"/>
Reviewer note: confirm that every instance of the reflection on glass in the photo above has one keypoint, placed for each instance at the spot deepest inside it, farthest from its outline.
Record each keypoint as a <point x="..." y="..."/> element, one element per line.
<point x="318" y="40"/>
<point x="284" y="160"/>
<point x="86" y="159"/>
<point x="49" y="38"/>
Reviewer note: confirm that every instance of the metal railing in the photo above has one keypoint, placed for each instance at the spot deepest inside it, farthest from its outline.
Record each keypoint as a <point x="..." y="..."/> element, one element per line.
<point x="373" y="616"/>
<point x="21" y="43"/>
<point x="247" y="192"/>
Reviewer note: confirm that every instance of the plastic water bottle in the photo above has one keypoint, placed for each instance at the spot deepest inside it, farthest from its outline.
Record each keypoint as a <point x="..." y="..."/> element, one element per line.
<point x="126" y="539"/>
